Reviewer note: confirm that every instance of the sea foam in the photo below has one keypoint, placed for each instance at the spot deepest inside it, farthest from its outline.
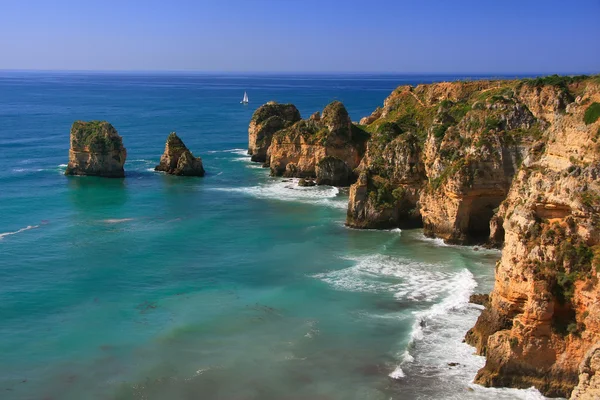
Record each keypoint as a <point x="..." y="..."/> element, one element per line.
<point x="3" y="235"/>
<point x="436" y="338"/>
<point x="288" y="190"/>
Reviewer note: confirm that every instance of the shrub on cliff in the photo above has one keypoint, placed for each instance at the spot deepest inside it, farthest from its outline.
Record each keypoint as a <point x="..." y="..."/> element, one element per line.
<point x="592" y="113"/>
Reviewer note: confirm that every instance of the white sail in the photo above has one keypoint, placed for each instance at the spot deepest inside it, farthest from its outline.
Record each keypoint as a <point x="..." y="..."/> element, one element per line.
<point x="245" y="99"/>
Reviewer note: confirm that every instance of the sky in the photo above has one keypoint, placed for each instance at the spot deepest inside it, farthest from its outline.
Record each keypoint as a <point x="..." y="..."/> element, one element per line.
<point x="390" y="36"/>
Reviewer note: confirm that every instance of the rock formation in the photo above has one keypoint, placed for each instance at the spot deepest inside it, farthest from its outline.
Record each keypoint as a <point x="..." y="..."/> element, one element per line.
<point x="517" y="163"/>
<point x="441" y="155"/>
<point x="178" y="160"/>
<point x="543" y="325"/>
<point x="265" y="121"/>
<point x="96" y="150"/>
<point x="327" y="147"/>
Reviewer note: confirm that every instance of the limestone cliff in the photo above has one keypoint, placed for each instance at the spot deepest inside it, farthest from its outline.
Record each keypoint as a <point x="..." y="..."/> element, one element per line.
<point x="265" y="121"/>
<point x="442" y="155"/>
<point x="178" y="160"/>
<point x="326" y="146"/>
<point x="96" y="150"/>
<point x="516" y="163"/>
<point x="543" y="324"/>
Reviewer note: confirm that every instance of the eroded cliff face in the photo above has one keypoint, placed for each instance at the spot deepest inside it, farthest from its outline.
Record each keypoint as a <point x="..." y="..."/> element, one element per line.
<point x="442" y="155"/>
<point x="96" y="150"/>
<point x="267" y="120"/>
<point x="326" y="146"/>
<point x="542" y="327"/>
<point x="177" y="159"/>
<point x="516" y="163"/>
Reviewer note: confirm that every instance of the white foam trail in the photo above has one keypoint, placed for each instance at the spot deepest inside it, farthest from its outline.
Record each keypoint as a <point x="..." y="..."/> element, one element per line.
<point x="242" y="152"/>
<point x="62" y="165"/>
<point x="116" y="220"/>
<point x="3" y="235"/>
<point x="22" y="170"/>
<point x="288" y="190"/>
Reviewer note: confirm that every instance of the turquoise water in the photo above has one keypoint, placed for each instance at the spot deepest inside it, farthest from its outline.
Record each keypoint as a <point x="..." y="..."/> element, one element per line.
<point x="232" y="286"/>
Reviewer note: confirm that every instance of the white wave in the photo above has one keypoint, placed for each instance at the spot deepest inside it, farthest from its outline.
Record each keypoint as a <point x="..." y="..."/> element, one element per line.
<point x="3" y="235"/>
<point x="440" y="242"/>
<point x="116" y="220"/>
<point x="397" y="373"/>
<point x="62" y="165"/>
<point x="435" y="241"/>
<point x="288" y="190"/>
<point x="242" y="152"/>
<point x="406" y="279"/>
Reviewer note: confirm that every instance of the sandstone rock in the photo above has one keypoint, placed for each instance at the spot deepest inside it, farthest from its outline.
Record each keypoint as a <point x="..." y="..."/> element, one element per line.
<point x="178" y="160"/>
<point x="96" y="149"/>
<point x="480" y="298"/>
<point x="372" y="118"/>
<point x="306" y="182"/>
<point x="334" y="172"/>
<point x="328" y="145"/>
<point x="588" y="387"/>
<point x="512" y="161"/>
<point x="265" y="121"/>
<point x="544" y="316"/>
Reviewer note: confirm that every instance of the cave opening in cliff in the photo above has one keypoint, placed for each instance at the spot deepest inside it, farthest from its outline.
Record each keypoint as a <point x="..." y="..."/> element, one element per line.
<point x="481" y="212"/>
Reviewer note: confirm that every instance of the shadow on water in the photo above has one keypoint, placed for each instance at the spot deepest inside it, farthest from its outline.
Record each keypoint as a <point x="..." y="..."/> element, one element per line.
<point x="92" y="194"/>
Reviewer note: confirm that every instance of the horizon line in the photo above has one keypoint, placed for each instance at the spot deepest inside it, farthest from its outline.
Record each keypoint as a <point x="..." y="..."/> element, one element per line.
<point x="215" y="72"/>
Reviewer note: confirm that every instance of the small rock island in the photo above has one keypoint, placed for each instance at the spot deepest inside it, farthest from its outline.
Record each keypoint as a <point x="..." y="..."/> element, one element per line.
<point x="178" y="160"/>
<point x="96" y="150"/>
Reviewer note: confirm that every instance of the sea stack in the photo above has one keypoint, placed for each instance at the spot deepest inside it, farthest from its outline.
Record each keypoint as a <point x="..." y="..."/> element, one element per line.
<point x="266" y="120"/>
<point x="178" y="160"/>
<point x="96" y="150"/>
<point x="325" y="148"/>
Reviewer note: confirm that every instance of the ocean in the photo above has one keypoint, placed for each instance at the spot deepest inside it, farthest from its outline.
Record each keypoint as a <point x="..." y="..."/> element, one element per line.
<point x="232" y="286"/>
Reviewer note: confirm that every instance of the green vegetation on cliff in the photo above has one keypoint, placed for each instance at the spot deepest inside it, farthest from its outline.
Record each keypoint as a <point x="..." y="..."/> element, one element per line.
<point x="98" y="136"/>
<point x="592" y="113"/>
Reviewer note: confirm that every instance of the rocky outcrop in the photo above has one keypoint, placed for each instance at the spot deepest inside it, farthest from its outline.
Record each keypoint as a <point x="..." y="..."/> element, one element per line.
<point x="178" y="160"/>
<point x="542" y="327"/>
<point x="449" y="152"/>
<point x="516" y="163"/>
<point x="265" y="121"/>
<point x="326" y="147"/>
<point x="96" y="150"/>
<point x="588" y="387"/>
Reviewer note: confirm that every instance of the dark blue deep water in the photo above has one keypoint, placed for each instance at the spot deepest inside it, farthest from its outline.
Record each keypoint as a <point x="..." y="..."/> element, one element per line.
<point x="232" y="286"/>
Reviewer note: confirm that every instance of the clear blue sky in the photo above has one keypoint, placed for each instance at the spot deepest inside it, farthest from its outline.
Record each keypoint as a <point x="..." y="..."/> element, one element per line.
<point x="450" y="36"/>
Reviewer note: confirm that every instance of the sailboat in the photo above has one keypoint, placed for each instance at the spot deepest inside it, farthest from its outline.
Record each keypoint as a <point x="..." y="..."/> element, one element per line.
<point x="245" y="99"/>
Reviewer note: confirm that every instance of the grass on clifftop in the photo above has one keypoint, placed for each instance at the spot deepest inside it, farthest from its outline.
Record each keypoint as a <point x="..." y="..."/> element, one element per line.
<point x="99" y="136"/>
<point x="592" y="113"/>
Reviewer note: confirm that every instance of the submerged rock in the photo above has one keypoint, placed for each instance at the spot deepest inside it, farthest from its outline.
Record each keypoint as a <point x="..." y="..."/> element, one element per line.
<point x="480" y="298"/>
<point x="306" y="182"/>
<point x="96" y="150"/>
<point x="178" y="160"/>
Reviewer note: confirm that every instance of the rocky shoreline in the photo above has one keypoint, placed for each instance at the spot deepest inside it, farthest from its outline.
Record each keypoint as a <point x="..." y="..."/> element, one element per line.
<point x="512" y="164"/>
